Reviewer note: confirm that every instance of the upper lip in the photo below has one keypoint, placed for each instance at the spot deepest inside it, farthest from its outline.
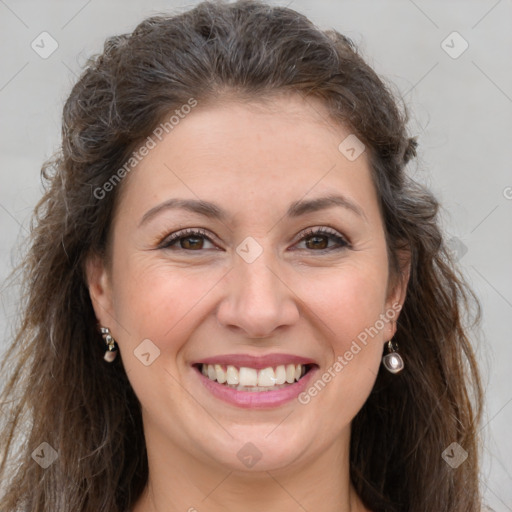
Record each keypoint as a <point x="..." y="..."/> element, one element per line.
<point x="256" y="362"/>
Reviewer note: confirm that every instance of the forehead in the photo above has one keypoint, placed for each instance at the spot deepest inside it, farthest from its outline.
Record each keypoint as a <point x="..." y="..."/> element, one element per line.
<point x="250" y="154"/>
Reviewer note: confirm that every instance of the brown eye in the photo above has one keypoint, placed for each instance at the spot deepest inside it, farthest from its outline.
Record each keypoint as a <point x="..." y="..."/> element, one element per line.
<point x="191" y="242"/>
<point x="318" y="240"/>
<point x="187" y="240"/>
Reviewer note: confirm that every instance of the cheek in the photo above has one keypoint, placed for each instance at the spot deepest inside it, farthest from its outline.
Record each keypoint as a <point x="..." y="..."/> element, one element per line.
<point x="156" y="300"/>
<point x="349" y="299"/>
<point x="351" y="305"/>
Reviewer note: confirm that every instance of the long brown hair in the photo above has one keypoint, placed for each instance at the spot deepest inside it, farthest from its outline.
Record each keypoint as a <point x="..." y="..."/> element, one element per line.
<point x="59" y="391"/>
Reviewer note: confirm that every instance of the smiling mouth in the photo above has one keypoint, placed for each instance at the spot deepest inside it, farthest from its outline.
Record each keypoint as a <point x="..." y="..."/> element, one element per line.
<point x="254" y="380"/>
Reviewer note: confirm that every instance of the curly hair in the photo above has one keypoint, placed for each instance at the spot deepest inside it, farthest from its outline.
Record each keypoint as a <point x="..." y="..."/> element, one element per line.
<point x="55" y="378"/>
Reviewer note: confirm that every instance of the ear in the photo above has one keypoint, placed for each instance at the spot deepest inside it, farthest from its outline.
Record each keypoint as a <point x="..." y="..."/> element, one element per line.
<point x="397" y="290"/>
<point x="100" y="289"/>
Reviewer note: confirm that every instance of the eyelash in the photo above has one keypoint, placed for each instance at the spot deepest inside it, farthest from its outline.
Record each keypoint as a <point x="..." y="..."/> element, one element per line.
<point x="310" y="232"/>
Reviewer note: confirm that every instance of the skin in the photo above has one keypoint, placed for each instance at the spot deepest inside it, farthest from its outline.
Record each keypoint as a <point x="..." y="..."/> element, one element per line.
<point x="253" y="160"/>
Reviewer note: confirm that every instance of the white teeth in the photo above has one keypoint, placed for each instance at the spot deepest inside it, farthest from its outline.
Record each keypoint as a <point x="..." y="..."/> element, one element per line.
<point x="251" y="379"/>
<point x="231" y="375"/>
<point x="280" y="375"/>
<point x="266" y="377"/>
<point x="248" y="376"/>
<point x="290" y="373"/>
<point x="221" y="374"/>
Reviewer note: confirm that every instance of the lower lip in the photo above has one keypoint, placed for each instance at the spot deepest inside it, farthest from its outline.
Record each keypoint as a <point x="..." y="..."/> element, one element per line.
<point x="257" y="399"/>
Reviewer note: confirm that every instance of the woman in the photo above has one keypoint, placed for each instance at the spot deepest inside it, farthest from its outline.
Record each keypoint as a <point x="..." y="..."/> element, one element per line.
<point x="236" y="297"/>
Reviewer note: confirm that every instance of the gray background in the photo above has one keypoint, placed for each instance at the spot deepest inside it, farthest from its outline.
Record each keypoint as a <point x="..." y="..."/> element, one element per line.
<point x="460" y="109"/>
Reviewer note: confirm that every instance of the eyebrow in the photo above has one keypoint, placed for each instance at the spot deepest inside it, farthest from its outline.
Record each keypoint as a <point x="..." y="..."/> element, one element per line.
<point x="213" y="211"/>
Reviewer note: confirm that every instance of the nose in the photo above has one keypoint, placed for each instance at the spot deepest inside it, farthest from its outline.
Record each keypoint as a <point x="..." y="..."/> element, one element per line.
<point x="258" y="301"/>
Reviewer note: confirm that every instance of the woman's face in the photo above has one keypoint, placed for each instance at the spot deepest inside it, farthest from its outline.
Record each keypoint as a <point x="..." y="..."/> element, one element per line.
<point x="226" y="259"/>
